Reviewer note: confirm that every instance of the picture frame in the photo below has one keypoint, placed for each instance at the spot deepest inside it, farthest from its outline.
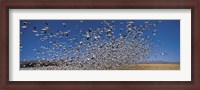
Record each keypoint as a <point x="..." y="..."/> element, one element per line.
<point x="99" y="4"/>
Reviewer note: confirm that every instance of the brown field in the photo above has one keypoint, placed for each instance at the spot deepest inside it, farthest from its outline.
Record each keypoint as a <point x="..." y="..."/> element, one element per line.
<point x="168" y="66"/>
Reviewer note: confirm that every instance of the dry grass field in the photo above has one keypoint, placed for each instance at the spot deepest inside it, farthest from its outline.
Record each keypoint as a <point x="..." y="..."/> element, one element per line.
<point x="57" y="65"/>
<point x="167" y="66"/>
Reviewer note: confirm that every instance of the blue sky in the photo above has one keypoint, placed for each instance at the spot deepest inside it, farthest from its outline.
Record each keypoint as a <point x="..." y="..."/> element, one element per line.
<point x="167" y="41"/>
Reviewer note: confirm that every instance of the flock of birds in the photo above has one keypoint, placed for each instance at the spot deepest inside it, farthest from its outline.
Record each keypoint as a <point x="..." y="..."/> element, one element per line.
<point x="104" y="47"/>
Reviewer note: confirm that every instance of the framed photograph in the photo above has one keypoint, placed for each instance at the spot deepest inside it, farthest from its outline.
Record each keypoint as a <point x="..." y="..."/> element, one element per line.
<point x="144" y="45"/>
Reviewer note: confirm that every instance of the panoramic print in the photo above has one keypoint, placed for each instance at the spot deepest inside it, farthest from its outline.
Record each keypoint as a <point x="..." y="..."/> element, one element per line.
<point x="99" y="45"/>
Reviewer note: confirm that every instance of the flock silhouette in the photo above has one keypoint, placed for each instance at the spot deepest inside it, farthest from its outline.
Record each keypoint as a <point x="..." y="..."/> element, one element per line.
<point x="98" y="48"/>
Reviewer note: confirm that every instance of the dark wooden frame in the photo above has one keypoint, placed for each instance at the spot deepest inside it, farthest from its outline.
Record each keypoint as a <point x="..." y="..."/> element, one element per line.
<point x="103" y="4"/>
